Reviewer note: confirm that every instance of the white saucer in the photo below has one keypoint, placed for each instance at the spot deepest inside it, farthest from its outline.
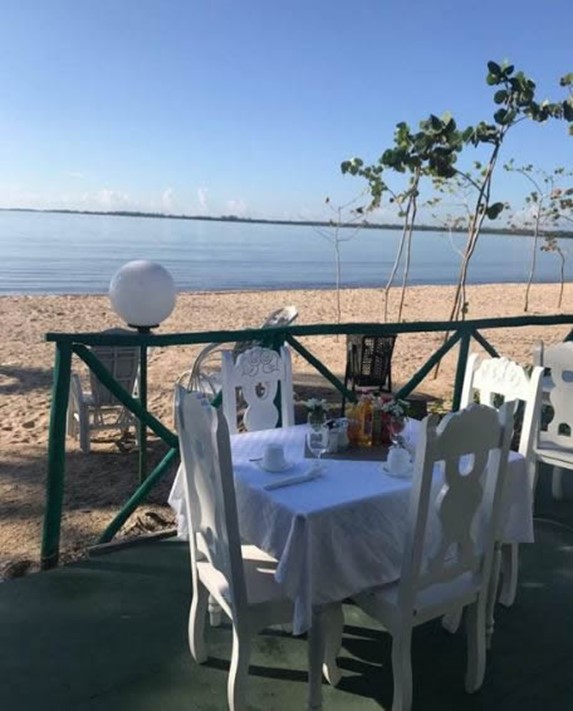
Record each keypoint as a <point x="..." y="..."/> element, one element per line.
<point x="286" y="466"/>
<point x="398" y="475"/>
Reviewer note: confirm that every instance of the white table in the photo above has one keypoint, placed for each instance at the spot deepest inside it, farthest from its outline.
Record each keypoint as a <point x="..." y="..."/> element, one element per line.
<point x="343" y="532"/>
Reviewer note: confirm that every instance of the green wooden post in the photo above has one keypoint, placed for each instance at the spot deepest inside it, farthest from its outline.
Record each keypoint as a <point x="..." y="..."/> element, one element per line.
<point x="484" y="343"/>
<point x="56" y="457"/>
<point x="434" y="359"/>
<point x="141" y="425"/>
<point x="466" y="334"/>
<point x="322" y="369"/>
<point x="138" y="496"/>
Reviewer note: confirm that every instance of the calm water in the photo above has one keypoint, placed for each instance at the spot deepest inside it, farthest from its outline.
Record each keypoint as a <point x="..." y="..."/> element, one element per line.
<point x="78" y="254"/>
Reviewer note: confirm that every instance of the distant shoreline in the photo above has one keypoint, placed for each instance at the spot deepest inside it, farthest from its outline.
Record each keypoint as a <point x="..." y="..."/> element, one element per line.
<point x="297" y="223"/>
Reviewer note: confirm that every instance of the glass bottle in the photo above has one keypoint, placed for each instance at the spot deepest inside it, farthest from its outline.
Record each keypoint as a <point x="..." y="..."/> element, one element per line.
<point x="377" y="422"/>
<point x="365" y="418"/>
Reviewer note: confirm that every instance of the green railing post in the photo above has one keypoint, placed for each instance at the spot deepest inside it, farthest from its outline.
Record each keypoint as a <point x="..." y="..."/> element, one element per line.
<point x="466" y="334"/>
<point x="138" y="496"/>
<point x="56" y="457"/>
<point x="142" y="428"/>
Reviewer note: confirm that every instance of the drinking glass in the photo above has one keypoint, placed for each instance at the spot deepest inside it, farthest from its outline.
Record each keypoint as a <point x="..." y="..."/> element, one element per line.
<point x="396" y="426"/>
<point x="317" y="440"/>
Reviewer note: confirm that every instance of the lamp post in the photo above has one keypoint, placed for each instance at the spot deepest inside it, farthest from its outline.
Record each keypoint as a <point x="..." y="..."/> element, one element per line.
<point x="142" y="293"/>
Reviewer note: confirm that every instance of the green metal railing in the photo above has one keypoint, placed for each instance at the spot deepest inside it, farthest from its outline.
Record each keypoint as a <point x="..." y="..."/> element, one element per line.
<point x="67" y="344"/>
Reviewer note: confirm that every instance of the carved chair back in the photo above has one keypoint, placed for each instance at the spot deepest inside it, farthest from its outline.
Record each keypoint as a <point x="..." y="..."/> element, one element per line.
<point x="472" y="446"/>
<point x="493" y="377"/>
<point x="559" y="359"/>
<point x="261" y="375"/>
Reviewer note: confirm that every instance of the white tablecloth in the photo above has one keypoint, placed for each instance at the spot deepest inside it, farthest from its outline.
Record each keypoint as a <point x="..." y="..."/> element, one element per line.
<point x="343" y="532"/>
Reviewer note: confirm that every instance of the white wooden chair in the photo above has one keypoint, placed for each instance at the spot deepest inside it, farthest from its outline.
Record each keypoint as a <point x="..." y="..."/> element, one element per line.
<point x="205" y="375"/>
<point x="258" y="373"/>
<point x="554" y="446"/>
<point x="239" y="577"/>
<point x="97" y="409"/>
<point x="493" y="377"/>
<point x="443" y="574"/>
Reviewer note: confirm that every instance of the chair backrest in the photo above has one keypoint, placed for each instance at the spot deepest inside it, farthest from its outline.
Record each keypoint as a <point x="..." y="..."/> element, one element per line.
<point x="493" y="377"/>
<point x="559" y="359"/>
<point x="258" y="373"/>
<point x="209" y="490"/>
<point x="122" y="362"/>
<point x="281" y="317"/>
<point x="472" y="446"/>
<point x="369" y="360"/>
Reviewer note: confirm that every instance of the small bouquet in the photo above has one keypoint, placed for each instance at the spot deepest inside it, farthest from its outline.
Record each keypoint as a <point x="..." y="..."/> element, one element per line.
<point x="396" y="407"/>
<point x="316" y="412"/>
<point x="316" y="406"/>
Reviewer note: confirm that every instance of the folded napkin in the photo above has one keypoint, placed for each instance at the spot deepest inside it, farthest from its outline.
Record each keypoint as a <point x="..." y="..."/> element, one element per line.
<point x="313" y="473"/>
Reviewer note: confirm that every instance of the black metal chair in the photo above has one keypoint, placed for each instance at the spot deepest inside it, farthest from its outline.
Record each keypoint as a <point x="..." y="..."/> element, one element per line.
<point x="368" y="363"/>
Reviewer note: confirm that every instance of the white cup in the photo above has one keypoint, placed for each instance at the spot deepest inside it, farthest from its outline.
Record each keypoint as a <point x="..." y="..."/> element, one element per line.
<point x="274" y="458"/>
<point x="398" y="461"/>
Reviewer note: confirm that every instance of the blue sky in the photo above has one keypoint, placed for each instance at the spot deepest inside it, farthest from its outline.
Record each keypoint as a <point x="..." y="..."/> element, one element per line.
<point x="249" y="106"/>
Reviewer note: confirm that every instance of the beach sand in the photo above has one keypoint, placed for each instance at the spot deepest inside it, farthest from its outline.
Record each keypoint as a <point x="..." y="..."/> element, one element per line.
<point x="98" y="483"/>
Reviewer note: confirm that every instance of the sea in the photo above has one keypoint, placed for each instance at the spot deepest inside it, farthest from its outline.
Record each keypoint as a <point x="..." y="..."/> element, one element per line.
<point x="54" y="253"/>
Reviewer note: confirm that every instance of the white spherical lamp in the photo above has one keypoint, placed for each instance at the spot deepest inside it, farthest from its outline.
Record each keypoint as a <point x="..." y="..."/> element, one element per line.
<point x="142" y="293"/>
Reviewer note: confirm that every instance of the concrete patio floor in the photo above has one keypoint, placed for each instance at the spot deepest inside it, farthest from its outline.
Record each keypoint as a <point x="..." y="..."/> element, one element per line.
<point x="110" y="633"/>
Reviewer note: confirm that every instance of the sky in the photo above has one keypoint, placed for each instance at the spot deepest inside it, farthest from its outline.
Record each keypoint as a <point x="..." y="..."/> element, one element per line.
<point x="248" y="107"/>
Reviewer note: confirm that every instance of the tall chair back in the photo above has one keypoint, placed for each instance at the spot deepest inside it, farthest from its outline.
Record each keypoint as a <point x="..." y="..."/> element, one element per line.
<point x="210" y="493"/>
<point x="122" y="362"/>
<point x="261" y="375"/>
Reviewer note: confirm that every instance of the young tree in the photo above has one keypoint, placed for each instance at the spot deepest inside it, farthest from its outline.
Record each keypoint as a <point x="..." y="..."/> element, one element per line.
<point x="432" y="151"/>
<point x="516" y="100"/>
<point x="542" y="213"/>
<point x="345" y="224"/>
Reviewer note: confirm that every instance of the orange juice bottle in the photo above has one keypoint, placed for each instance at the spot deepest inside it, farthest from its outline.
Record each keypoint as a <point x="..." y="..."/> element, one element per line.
<point x="353" y="431"/>
<point x="377" y="422"/>
<point x="365" y="410"/>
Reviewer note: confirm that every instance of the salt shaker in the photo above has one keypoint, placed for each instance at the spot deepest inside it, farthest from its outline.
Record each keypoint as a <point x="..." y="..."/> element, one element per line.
<point x="343" y="440"/>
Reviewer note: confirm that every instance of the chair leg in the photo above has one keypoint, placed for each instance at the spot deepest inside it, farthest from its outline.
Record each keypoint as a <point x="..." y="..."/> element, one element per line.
<point x="557" y="483"/>
<point x="316" y="642"/>
<point x="451" y="621"/>
<point x="197" y="616"/>
<point x="492" y="594"/>
<point x="333" y="628"/>
<point x="215" y="612"/>
<point x="402" y="670"/>
<point x="475" y="629"/>
<point x="510" y="569"/>
<point x="84" y="426"/>
<point x="239" y="670"/>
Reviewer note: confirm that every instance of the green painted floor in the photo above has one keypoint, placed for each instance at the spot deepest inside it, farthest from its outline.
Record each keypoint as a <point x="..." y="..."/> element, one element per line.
<point x="110" y="633"/>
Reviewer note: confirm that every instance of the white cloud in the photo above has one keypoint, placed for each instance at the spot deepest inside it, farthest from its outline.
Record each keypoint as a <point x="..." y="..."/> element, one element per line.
<point x="106" y="199"/>
<point x="167" y="199"/>
<point x="236" y="207"/>
<point x="202" y="197"/>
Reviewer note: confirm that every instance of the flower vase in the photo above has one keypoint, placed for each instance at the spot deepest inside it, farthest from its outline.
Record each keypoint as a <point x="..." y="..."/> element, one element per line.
<point x="317" y="419"/>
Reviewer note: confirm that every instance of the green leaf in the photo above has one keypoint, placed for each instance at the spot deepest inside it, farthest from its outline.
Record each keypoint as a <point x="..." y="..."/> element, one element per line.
<point x="566" y="80"/>
<point x="500" y="116"/>
<point x="500" y="96"/>
<point x="494" y="68"/>
<point x="493" y="211"/>
<point x="568" y="110"/>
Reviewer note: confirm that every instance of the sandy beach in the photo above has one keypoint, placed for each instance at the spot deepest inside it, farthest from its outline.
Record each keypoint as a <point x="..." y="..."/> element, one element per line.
<point x="97" y="484"/>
